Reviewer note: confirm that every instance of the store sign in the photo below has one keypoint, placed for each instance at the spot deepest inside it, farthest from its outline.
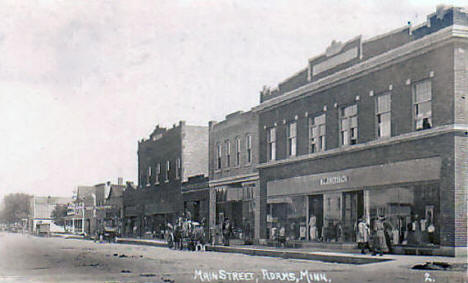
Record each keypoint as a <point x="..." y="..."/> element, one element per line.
<point x="333" y="180"/>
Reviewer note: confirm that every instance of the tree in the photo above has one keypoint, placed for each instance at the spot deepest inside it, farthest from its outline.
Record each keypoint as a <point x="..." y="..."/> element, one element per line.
<point x="15" y="207"/>
<point x="59" y="213"/>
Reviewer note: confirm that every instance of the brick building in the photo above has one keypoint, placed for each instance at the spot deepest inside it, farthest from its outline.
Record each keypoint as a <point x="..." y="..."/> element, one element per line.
<point x="165" y="161"/>
<point x="372" y="128"/>
<point x="233" y="157"/>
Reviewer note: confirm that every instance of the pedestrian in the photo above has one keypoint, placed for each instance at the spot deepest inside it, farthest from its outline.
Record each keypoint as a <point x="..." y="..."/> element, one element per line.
<point x="227" y="231"/>
<point x="362" y="237"/>
<point x="282" y="236"/>
<point x="380" y="245"/>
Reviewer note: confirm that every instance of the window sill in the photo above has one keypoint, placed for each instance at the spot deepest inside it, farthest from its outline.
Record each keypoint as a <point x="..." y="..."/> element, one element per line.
<point x="217" y="171"/>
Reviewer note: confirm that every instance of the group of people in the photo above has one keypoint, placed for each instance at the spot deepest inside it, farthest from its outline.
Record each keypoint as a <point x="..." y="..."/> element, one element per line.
<point x="374" y="239"/>
<point x="186" y="231"/>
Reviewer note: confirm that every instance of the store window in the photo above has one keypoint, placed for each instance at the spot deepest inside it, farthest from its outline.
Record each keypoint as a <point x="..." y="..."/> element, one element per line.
<point x="349" y="125"/>
<point x="271" y="143"/>
<point x="292" y="138"/>
<point x="287" y="214"/>
<point x="248" y="146"/>
<point x="423" y="105"/>
<point x="317" y="133"/>
<point x="383" y="113"/>
<point x="411" y="213"/>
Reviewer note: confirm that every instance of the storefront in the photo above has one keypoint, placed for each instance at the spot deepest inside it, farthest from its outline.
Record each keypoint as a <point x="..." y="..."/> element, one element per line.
<point x="326" y="207"/>
<point x="236" y="202"/>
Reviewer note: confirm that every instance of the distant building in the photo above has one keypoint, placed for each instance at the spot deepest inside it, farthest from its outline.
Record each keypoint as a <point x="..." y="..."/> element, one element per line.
<point x="233" y="157"/>
<point x="41" y="209"/>
<point x="95" y="207"/>
<point x="165" y="161"/>
<point x="371" y="128"/>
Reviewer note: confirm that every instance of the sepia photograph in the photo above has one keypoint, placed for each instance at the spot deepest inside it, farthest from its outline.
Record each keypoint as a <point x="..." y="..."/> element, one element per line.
<point x="179" y="141"/>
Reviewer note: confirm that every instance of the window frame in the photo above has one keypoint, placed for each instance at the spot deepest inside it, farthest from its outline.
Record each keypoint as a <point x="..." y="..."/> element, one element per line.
<point x="321" y="139"/>
<point x="383" y="112"/>
<point x="291" y="140"/>
<point x="238" y="151"/>
<point x="343" y="117"/>
<point x="168" y="169"/>
<point x="227" y="143"/>
<point x="178" y="168"/>
<point x="158" y="174"/>
<point x="248" y="148"/>
<point x="219" y="156"/>
<point x="271" y="143"/>
<point x="416" y="106"/>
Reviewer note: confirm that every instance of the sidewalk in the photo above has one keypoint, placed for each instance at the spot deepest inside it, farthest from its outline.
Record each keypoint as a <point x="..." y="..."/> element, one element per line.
<point x="302" y="253"/>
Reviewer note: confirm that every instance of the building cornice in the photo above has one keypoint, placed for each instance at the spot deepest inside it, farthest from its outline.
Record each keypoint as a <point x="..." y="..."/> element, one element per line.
<point x="404" y="52"/>
<point x="234" y="179"/>
<point x="369" y="145"/>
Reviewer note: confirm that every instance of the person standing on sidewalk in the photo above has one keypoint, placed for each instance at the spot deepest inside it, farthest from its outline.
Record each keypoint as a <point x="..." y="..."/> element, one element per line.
<point x="380" y="245"/>
<point x="227" y="231"/>
<point x="362" y="237"/>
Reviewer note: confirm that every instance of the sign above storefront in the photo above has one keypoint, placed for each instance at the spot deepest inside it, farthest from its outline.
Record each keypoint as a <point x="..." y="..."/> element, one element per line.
<point x="332" y="180"/>
<point x="417" y="170"/>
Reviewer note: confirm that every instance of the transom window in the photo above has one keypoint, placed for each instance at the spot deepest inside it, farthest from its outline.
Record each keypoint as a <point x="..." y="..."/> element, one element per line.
<point x="349" y="125"/>
<point x="271" y="143"/>
<point x="383" y="113"/>
<point x="423" y="105"/>
<point x="317" y="126"/>
<point x="292" y="134"/>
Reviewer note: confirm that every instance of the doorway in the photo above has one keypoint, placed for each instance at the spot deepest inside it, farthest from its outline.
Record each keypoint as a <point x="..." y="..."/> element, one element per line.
<point x="315" y="217"/>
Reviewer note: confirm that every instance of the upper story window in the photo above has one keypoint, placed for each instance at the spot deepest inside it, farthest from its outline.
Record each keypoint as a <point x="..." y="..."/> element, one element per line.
<point x="248" y="148"/>
<point x="148" y="176"/>
<point x="317" y="126"/>
<point x="219" y="152"/>
<point x="271" y="143"/>
<point x="168" y="168"/>
<point x="383" y="113"/>
<point x="423" y="105"/>
<point x="292" y="140"/>
<point x="238" y="151"/>
<point x="348" y="125"/>
<point x="178" y="168"/>
<point x="228" y="153"/>
<point x="158" y="173"/>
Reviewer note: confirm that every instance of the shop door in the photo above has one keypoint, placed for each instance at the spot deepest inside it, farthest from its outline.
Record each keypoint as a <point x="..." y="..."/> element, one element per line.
<point x="315" y="210"/>
<point x="353" y="209"/>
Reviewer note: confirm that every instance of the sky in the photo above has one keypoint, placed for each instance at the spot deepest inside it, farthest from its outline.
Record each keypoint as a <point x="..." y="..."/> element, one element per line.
<point x="82" y="81"/>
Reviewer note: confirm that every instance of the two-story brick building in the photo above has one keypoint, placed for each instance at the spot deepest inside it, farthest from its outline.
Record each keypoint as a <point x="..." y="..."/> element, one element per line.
<point x="233" y="157"/>
<point x="165" y="161"/>
<point x="372" y="128"/>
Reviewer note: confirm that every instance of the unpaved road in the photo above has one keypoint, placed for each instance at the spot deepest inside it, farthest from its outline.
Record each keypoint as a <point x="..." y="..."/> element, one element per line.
<point x="24" y="258"/>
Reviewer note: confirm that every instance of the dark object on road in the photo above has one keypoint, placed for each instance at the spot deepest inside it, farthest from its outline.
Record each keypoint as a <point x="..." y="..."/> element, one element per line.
<point x="125" y="271"/>
<point x="116" y="254"/>
<point x="122" y="255"/>
<point x="147" y="275"/>
<point x="432" y="266"/>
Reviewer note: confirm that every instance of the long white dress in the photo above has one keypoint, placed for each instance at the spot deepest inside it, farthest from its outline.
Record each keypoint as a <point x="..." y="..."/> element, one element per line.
<point x="313" y="227"/>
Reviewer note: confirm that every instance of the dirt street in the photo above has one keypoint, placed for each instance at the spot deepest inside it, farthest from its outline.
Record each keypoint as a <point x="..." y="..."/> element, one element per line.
<point x="25" y="258"/>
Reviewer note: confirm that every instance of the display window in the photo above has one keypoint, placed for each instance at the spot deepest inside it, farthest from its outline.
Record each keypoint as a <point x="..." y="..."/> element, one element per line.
<point x="410" y="213"/>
